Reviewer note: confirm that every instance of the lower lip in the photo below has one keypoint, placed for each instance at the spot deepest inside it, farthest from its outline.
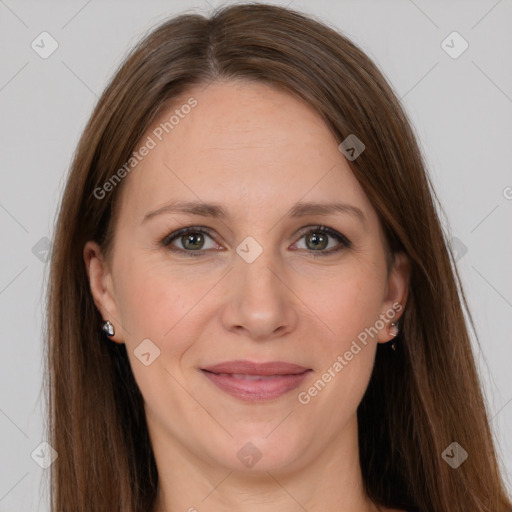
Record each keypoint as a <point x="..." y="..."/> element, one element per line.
<point x="256" y="390"/>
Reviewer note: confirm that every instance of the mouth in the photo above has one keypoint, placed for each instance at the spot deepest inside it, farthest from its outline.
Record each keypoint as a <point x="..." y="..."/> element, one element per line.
<point x="255" y="382"/>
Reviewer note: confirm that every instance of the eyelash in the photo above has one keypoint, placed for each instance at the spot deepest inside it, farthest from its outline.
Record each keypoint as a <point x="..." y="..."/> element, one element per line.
<point x="344" y="242"/>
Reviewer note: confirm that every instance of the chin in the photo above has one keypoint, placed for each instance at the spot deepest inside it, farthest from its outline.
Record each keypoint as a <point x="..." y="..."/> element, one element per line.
<point x="260" y="454"/>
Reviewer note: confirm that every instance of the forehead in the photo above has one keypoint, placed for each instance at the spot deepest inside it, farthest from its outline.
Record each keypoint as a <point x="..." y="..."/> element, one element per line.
<point x="242" y="117"/>
<point x="241" y="142"/>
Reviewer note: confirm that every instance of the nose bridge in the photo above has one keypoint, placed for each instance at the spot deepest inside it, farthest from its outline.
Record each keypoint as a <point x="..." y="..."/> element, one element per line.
<point x="256" y="268"/>
<point x="259" y="302"/>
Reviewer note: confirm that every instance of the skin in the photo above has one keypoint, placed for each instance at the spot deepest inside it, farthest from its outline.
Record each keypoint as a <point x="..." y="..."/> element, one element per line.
<point x="257" y="151"/>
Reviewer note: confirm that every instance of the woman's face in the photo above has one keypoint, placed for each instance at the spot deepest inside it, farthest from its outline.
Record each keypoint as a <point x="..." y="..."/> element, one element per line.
<point x="251" y="279"/>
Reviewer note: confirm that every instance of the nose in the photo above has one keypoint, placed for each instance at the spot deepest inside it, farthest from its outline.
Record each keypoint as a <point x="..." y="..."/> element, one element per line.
<point x="260" y="300"/>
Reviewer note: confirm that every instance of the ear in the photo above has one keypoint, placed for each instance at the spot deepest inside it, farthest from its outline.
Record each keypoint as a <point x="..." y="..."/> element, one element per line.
<point x="396" y="295"/>
<point x="100" y="281"/>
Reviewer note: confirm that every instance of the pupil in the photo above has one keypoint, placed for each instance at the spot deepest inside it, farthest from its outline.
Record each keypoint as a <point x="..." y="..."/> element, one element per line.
<point x="318" y="240"/>
<point x="192" y="241"/>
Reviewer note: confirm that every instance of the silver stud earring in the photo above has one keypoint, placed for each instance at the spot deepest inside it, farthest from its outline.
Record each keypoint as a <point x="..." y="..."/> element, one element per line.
<point x="108" y="328"/>
<point x="395" y="329"/>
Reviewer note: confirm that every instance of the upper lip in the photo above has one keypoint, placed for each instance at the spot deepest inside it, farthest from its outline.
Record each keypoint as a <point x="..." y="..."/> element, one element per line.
<point x="250" y="368"/>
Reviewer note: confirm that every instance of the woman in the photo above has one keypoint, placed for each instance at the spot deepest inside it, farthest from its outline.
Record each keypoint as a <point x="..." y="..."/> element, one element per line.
<point x="252" y="305"/>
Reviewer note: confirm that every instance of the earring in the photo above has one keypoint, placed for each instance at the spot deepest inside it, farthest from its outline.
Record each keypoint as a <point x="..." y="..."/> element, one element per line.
<point x="395" y="329"/>
<point x="108" y="328"/>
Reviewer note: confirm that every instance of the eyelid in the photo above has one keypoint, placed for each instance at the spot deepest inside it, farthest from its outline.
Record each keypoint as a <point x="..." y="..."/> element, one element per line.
<point x="343" y="241"/>
<point x="168" y="239"/>
<point x="327" y="230"/>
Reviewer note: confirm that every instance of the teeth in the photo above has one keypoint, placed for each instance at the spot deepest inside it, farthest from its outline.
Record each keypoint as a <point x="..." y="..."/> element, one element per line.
<point x="250" y="377"/>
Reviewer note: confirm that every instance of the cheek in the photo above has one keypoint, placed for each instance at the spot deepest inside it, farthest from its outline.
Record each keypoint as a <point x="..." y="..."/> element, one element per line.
<point x="350" y="307"/>
<point x="155" y="303"/>
<point x="347" y="303"/>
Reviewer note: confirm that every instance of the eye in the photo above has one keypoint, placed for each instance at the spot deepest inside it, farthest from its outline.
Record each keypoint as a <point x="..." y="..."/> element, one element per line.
<point x="188" y="241"/>
<point x="191" y="241"/>
<point x="317" y="240"/>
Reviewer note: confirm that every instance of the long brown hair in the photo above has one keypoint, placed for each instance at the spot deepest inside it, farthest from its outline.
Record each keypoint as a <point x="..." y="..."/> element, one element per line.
<point x="420" y="398"/>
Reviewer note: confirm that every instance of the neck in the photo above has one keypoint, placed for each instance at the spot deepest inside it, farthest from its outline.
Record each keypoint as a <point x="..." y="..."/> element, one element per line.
<point x="331" y="482"/>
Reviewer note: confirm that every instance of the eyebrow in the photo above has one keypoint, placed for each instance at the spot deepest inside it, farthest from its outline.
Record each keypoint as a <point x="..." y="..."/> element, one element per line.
<point x="217" y="211"/>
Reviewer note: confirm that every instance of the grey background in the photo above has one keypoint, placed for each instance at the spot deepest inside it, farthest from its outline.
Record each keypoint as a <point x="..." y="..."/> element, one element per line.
<point x="461" y="109"/>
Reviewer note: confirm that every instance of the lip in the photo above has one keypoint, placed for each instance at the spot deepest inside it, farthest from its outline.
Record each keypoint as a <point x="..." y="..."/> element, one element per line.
<point x="254" y="382"/>
<point x="250" y="368"/>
